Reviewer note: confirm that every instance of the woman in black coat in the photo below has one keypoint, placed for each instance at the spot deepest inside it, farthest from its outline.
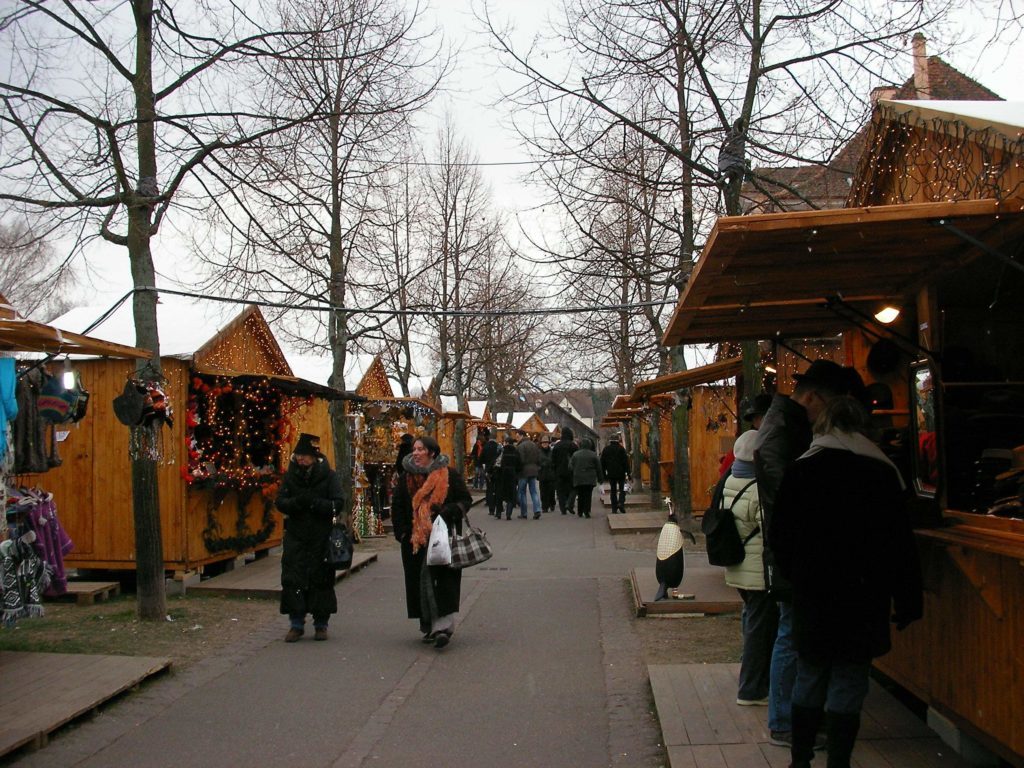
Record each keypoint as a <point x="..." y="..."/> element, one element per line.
<point x="311" y="495"/>
<point x="843" y="537"/>
<point x="508" y="477"/>
<point x="429" y="488"/>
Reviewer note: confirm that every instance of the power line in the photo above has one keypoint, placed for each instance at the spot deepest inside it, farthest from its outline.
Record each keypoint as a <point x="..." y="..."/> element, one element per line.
<point x="396" y="312"/>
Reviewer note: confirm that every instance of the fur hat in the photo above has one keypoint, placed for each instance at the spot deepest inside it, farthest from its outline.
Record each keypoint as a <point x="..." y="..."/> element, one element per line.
<point x="744" y="447"/>
<point x="308" y="445"/>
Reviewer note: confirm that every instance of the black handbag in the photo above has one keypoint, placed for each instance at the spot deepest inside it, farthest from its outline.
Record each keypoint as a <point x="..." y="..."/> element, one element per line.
<point x="339" y="546"/>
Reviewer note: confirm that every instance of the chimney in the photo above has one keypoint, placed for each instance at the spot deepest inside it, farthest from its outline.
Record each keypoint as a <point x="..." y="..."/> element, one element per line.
<point x="921" y="67"/>
<point x="882" y="92"/>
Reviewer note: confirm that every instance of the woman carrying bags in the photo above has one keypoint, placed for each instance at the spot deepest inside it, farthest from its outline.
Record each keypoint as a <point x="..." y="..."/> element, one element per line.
<point x="429" y="488"/>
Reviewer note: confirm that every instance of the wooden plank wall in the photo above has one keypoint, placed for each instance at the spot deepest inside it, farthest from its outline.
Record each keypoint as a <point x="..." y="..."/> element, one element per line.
<point x="92" y="487"/>
<point x="964" y="658"/>
<point x="712" y="433"/>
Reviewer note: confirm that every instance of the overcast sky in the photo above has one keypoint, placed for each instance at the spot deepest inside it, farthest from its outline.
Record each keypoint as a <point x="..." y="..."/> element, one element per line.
<point x="472" y="97"/>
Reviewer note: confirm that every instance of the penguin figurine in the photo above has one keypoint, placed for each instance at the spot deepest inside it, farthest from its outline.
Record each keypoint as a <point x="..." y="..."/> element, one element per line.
<point x="671" y="562"/>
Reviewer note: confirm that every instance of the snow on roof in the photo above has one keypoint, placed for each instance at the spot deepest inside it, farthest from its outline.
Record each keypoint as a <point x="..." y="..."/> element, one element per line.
<point x="477" y="408"/>
<point x="550" y="427"/>
<point x="184" y="324"/>
<point x="449" y="404"/>
<point x="519" y="418"/>
<point x="317" y="367"/>
<point x="1006" y="117"/>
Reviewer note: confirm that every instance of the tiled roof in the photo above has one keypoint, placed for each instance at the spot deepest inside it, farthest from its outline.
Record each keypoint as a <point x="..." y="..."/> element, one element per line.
<point x="828" y="185"/>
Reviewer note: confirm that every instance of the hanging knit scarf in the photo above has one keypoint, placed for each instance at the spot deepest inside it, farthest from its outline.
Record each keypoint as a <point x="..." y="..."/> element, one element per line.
<point x="431" y="495"/>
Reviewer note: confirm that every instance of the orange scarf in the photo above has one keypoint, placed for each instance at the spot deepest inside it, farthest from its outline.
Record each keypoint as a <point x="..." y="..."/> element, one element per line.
<point x="431" y="495"/>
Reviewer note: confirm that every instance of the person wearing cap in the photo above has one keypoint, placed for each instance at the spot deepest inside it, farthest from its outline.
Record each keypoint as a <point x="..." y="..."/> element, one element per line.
<point x="784" y="435"/>
<point x="311" y="495"/>
<point x="546" y="476"/>
<point x="842" y="536"/>
<point x="760" y="618"/>
<point x="752" y="412"/>
<point x="615" y="465"/>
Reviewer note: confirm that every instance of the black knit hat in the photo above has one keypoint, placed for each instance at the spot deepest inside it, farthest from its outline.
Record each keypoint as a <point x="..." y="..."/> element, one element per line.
<point x="308" y="445"/>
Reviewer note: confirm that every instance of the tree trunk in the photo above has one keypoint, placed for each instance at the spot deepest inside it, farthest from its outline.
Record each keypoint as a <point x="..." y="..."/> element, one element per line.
<point x="149" y="551"/>
<point x="681" y="440"/>
<point x="655" y="449"/>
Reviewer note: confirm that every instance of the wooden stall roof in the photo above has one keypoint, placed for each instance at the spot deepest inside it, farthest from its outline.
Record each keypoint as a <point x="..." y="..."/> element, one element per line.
<point x="773" y="274"/>
<point x="705" y="374"/>
<point x="290" y="385"/>
<point x="18" y="335"/>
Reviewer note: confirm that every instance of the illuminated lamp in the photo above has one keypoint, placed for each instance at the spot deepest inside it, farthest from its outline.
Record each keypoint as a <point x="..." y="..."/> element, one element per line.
<point x="887" y="315"/>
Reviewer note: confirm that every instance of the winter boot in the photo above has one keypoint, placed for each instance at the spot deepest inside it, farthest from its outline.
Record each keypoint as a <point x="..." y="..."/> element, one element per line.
<point x="842" y="728"/>
<point x="805" y="730"/>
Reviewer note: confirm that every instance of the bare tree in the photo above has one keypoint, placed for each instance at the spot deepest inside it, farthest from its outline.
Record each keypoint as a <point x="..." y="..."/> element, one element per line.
<point x="305" y="203"/>
<point x="130" y="132"/>
<point x="32" y="275"/>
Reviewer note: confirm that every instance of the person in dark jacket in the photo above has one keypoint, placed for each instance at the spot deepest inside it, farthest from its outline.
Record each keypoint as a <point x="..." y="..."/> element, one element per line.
<point x="404" y="449"/>
<point x="843" y="538"/>
<point x="561" y="452"/>
<point x="785" y="433"/>
<point x="489" y="455"/>
<point x="311" y="495"/>
<point x="529" y="458"/>
<point x="615" y="465"/>
<point x="428" y="489"/>
<point x="508" y="477"/>
<point x="546" y="476"/>
<point x="586" y="473"/>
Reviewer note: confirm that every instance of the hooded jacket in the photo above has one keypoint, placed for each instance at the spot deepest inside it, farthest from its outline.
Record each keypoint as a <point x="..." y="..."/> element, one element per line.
<point x="585" y="466"/>
<point x="561" y="452"/>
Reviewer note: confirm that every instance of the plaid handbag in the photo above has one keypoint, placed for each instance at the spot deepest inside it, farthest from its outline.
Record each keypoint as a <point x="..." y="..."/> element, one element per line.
<point x="470" y="547"/>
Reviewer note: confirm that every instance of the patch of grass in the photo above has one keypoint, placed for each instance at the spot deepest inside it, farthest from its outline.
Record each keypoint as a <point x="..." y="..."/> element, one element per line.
<point x="197" y="626"/>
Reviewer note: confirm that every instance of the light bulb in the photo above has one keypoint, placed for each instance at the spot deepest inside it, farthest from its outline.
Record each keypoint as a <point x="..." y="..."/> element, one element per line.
<point x="887" y="315"/>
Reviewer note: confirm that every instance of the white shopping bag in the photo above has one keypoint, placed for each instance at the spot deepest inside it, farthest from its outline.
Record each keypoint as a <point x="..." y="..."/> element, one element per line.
<point x="439" y="548"/>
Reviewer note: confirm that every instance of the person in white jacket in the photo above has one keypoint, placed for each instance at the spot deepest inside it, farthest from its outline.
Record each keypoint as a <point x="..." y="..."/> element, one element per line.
<point x="760" y="612"/>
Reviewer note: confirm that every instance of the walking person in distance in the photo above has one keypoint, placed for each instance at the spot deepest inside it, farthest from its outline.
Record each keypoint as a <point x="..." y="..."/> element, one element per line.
<point x="586" y="473"/>
<point x="615" y="465"/>
<point x="561" y="452"/>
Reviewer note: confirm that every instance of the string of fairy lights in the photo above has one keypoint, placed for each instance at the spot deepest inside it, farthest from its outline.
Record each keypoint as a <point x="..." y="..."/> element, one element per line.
<point x="916" y="159"/>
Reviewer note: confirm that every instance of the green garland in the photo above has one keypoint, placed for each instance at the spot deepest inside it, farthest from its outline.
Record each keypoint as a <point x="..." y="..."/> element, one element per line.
<point x="243" y="540"/>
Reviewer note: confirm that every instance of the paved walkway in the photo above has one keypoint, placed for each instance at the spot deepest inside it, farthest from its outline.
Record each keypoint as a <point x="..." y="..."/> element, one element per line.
<point x="544" y="670"/>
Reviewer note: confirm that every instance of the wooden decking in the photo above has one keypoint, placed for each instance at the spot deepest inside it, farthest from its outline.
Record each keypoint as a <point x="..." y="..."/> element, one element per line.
<point x="637" y="522"/>
<point x="705" y="582"/>
<point x="262" y="578"/>
<point x="89" y="592"/>
<point x="703" y="727"/>
<point x="40" y="692"/>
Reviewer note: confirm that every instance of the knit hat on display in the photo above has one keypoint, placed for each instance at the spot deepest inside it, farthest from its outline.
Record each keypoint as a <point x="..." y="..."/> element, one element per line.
<point x="308" y="445"/>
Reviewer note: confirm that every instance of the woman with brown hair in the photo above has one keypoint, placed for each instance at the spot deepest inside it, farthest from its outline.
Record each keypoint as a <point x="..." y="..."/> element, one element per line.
<point x="429" y="488"/>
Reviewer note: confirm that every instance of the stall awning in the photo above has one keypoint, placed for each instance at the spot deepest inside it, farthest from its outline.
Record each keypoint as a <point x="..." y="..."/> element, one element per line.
<point x="289" y="385"/>
<point x="17" y="335"/>
<point x="705" y="374"/>
<point x="773" y="274"/>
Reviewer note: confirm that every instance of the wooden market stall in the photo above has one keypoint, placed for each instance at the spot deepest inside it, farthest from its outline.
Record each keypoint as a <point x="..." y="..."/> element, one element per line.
<point x="528" y="421"/>
<point x="954" y="271"/>
<point x="378" y="423"/>
<point x="235" y="411"/>
<point x="448" y="425"/>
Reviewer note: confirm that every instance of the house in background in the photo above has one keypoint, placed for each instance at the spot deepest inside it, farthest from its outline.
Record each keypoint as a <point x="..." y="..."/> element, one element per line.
<point x="827" y="185"/>
<point x="556" y="417"/>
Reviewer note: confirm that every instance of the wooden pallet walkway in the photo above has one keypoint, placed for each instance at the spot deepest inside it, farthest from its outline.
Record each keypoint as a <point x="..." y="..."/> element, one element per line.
<point x="89" y="592"/>
<point x="703" y="727"/>
<point x="705" y="582"/>
<point x="262" y="578"/>
<point x="637" y="522"/>
<point x="40" y="692"/>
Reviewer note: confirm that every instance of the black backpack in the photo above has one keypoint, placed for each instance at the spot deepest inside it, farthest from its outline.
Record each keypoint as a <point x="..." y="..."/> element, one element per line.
<point x="724" y="545"/>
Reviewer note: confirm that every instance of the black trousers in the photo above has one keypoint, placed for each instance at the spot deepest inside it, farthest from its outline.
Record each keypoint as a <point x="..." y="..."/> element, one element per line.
<point x="584" y="493"/>
<point x="618" y="493"/>
<point x="565" y="491"/>
<point x="547" y="494"/>
<point x="491" y="494"/>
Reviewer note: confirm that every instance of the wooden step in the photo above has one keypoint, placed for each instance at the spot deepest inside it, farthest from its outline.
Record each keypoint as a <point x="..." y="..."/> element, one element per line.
<point x="89" y="592"/>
